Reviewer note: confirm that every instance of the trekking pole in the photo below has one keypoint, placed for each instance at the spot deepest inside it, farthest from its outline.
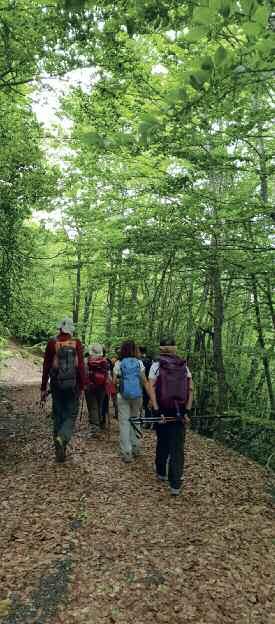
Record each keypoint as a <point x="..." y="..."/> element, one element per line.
<point x="81" y="409"/>
<point x="109" y="421"/>
<point x="43" y="406"/>
<point x="134" y="422"/>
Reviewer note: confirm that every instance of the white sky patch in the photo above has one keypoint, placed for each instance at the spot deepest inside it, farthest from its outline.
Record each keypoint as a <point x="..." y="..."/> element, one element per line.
<point x="174" y="170"/>
<point x="46" y="104"/>
<point x="171" y="35"/>
<point x="51" y="220"/>
<point x="159" y="69"/>
<point x="128" y="211"/>
<point x="46" y="101"/>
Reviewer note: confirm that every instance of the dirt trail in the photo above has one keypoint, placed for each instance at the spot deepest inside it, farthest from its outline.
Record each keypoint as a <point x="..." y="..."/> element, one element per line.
<point x="96" y="542"/>
<point x="21" y="367"/>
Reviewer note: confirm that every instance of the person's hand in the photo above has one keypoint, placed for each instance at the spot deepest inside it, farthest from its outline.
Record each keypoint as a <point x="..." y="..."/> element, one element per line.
<point x="157" y="414"/>
<point x="187" y="418"/>
<point x="43" y="397"/>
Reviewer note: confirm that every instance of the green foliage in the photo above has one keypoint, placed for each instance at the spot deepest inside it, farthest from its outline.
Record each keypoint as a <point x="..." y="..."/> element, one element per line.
<point x="166" y="196"/>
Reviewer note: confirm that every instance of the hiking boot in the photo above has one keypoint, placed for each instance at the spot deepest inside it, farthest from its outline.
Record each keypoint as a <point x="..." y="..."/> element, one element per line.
<point x="175" y="491"/>
<point x="60" y="450"/>
<point x="127" y="458"/>
<point x="137" y="452"/>
<point x="161" y="478"/>
<point x="93" y="433"/>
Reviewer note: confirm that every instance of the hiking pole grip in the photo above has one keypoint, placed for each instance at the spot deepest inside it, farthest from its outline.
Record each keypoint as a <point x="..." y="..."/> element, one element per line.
<point x="136" y="429"/>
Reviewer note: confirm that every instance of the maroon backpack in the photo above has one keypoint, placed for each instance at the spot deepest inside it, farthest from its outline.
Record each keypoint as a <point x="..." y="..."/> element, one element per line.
<point x="172" y="382"/>
<point x="98" y="372"/>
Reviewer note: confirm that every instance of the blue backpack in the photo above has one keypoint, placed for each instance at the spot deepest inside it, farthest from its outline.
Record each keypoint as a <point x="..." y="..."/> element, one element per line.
<point x="130" y="386"/>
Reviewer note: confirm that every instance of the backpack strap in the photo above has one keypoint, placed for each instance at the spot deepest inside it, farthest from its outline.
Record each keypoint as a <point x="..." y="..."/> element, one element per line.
<point x="64" y="343"/>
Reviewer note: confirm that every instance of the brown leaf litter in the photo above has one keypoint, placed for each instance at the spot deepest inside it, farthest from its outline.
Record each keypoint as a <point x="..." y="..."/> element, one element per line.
<point x="133" y="552"/>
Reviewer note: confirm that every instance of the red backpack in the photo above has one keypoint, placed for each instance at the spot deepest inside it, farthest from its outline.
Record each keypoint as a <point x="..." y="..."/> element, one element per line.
<point x="172" y="383"/>
<point x="98" y="372"/>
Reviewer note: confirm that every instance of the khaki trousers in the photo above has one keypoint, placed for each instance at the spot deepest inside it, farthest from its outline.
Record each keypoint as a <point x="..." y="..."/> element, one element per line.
<point x="128" y="408"/>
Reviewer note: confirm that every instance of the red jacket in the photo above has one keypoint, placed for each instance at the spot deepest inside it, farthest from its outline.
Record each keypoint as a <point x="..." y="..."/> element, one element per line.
<point x="49" y="356"/>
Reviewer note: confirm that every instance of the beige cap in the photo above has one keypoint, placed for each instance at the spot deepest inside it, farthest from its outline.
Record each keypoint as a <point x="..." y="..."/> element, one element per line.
<point x="96" y="350"/>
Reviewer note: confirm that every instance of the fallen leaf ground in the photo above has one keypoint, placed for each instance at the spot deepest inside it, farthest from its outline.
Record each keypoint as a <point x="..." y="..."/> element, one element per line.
<point x="96" y="541"/>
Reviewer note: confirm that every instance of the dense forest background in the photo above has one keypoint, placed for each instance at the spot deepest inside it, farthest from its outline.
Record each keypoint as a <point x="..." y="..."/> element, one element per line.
<point x="159" y="190"/>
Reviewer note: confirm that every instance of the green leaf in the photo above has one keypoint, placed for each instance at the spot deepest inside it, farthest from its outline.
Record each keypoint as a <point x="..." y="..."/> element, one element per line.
<point x="148" y="127"/>
<point x="252" y="29"/>
<point x="225" y="9"/>
<point x="93" y="138"/>
<point x="261" y="15"/>
<point x="176" y="95"/>
<point x="249" y="6"/>
<point x="195" y="34"/>
<point x="215" y="5"/>
<point x="123" y="139"/>
<point x="220" y="56"/>
<point x="150" y="119"/>
<point x="203" y="15"/>
<point x="74" y="5"/>
<point x="198" y="79"/>
<point x="266" y="47"/>
<point x="207" y="63"/>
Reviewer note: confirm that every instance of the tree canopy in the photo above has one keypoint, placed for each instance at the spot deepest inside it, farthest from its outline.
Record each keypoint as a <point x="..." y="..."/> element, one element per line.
<point x="164" y="185"/>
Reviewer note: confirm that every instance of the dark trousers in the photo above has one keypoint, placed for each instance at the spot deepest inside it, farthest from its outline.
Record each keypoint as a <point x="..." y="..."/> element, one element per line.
<point x="65" y="405"/>
<point x="104" y="412"/>
<point x="94" y="400"/>
<point x="170" y="447"/>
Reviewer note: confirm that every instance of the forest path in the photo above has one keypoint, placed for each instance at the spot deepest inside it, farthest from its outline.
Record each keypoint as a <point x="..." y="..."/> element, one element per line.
<point x="95" y="541"/>
<point x="21" y="366"/>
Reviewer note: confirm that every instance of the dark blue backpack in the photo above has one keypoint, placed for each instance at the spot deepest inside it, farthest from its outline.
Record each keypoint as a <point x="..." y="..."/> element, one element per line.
<point x="130" y="386"/>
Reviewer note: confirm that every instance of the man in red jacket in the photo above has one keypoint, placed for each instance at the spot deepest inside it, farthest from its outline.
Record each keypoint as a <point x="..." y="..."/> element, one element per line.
<point x="64" y="364"/>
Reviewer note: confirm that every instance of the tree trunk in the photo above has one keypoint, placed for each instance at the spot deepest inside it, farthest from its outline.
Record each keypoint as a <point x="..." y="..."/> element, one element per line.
<point x="77" y="292"/>
<point x="111" y="296"/>
<point x="217" y="337"/>
<point x="86" y="312"/>
<point x="190" y="319"/>
<point x="263" y="169"/>
<point x="92" y="314"/>
<point x="265" y="358"/>
<point x="270" y="302"/>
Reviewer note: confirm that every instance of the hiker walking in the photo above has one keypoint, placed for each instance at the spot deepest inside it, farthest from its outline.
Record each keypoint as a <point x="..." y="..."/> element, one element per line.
<point x="96" y="386"/>
<point x="113" y="394"/>
<point x="129" y="377"/>
<point x="171" y="390"/>
<point x="64" y="364"/>
<point x="147" y="362"/>
<point x="108" y="392"/>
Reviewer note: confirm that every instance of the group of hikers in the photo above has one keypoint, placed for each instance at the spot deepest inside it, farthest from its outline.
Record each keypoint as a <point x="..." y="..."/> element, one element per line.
<point x="161" y="388"/>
